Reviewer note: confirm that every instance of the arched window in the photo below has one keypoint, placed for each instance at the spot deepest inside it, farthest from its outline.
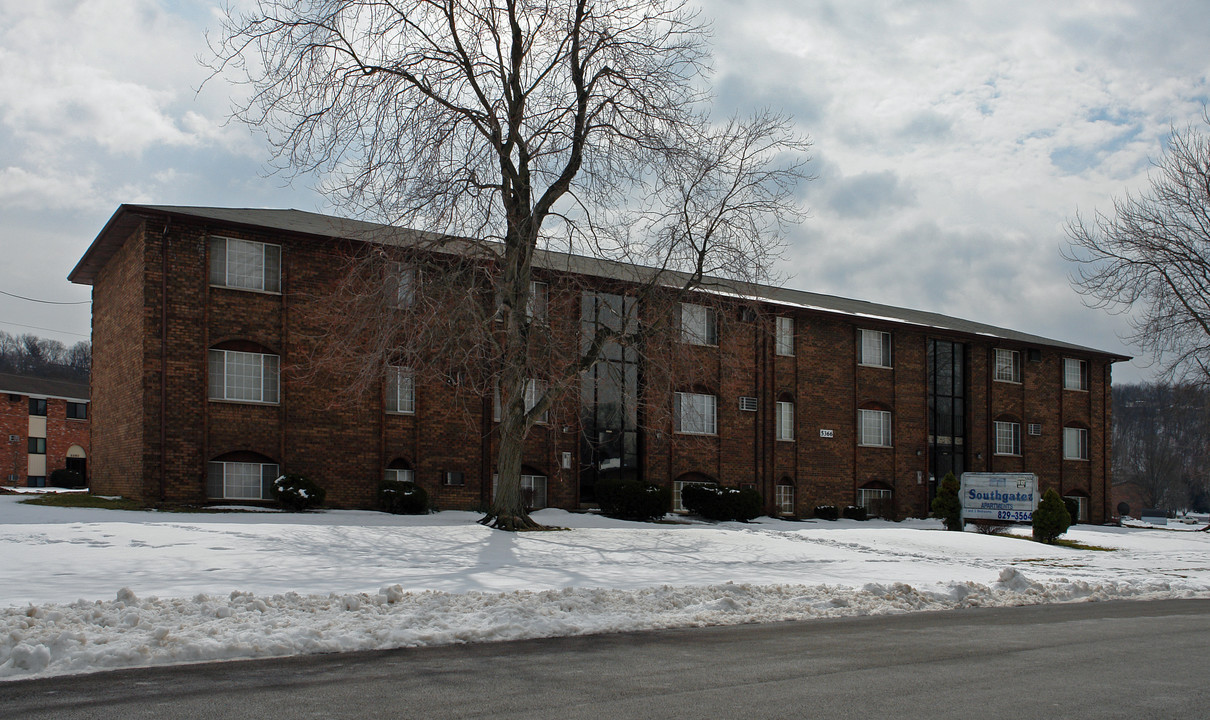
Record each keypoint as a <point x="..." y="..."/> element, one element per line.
<point x="400" y="470"/>
<point x="1081" y="500"/>
<point x="533" y="487"/>
<point x="240" y="476"/>
<point x="877" y="498"/>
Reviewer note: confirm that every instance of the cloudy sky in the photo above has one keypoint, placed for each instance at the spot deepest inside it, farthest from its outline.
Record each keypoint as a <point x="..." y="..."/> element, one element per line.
<point x="952" y="139"/>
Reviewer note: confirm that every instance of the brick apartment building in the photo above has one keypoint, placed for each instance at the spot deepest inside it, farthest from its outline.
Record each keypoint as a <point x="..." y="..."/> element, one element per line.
<point x="198" y="317"/>
<point x="44" y="427"/>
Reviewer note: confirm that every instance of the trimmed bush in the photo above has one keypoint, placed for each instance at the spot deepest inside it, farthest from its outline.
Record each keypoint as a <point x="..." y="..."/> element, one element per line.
<point x="633" y="499"/>
<point x="826" y="512"/>
<point x="65" y="478"/>
<point x="296" y="493"/>
<point x="946" y="505"/>
<point x="854" y="512"/>
<point x="399" y="497"/>
<point x="1051" y="518"/>
<point x="715" y="502"/>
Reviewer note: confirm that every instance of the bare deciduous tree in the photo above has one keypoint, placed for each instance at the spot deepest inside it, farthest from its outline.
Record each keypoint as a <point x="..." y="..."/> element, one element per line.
<point x="517" y="134"/>
<point x="1151" y="257"/>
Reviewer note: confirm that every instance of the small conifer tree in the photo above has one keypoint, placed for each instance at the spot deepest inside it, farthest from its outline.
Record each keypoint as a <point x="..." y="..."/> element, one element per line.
<point x="946" y="505"/>
<point x="1051" y="519"/>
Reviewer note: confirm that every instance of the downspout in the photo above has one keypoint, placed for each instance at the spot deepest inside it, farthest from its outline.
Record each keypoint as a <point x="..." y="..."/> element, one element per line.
<point x="164" y="361"/>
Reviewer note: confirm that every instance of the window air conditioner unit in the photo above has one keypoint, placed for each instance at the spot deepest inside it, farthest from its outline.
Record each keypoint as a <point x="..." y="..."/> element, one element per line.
<point x="454" y="478"/>
<point x="747" y="404"/>
<point x="1035" y="428"/>
<point x="14" y="438"/>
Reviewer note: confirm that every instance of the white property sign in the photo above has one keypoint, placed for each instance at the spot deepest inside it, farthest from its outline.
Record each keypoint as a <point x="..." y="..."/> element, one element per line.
<point x="999" y="496"/>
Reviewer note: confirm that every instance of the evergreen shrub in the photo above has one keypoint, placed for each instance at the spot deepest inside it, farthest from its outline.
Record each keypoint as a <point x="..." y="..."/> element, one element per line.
<point x="715" y="502"/>
<point x="400" y="497"/>
<point x="826" y="512"/>
<point x="854" y="512"/>
<point x="297" y="493"/>
<point x="633" y="499"/>
<point x="1051" y="519"/>
<point x="65" y="478"/>
<point x="946" y="505"/>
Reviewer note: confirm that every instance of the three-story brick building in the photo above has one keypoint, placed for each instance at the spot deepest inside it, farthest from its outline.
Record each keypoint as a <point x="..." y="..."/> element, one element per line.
<point x="198" y="318"/>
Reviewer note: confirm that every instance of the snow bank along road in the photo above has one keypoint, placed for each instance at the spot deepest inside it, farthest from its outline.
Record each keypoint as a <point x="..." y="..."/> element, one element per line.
<point x="86" y="590"/>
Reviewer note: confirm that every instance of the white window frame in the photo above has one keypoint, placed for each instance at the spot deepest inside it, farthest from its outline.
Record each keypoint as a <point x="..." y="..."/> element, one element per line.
<point x="399" y="475"/>
<point x="865" y="496"/>
<point x="785" y="420"/>
<point x="535" y="484"/>
<point x="784" y="340"/>
<point x="678" y="506"/>
<point x="1008" y="438"/>
<point x="1075" y="374"/>
<point x="1082" y="510"/>
<point x="874" y="428"/>
<point x="260" y="270"/>
<point x="536" y="306"/>
<point x="699" y="325"/>
<point x="221" y="365"/>
<point x="874" y="348"/>
<point x="401" y="285"/>
<point x="241" y="491"/>
<point x="1007" y="366"/>
<point x="533" y="391"/>
<point x="696" y="414"/>
<point x="1075" y="443"/>
<point x="784" y="498"/>
<point x="401" y="390"/>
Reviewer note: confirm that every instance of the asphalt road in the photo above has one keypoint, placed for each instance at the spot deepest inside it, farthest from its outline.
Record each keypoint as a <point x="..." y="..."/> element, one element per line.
<point x="1090" y="660"/>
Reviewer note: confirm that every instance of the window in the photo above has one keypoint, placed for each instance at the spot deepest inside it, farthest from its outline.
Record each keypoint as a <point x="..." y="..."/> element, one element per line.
<point x="401" y="285"/>
<point x="37" y="446"/>
<point x="1082" y="512"/>
<point x="1008" y="438"/>
<point x="77" y="411"/>
<point x="1075" y="374"/>
<point x="1008" y="366"/>
<point x="785" y="498"/>
<point x="785" y="420"/>
<point x="874" y="348"/>
<point x="876" y="501"/>
<point x="37" y="406"/>
<point x="240" y="480"/>
<point x="699" y="325"/>
<point x="533" y="392"/>
<point x="539" y="299"/>
<point x="678" y="504"/>
<point x="1075" y="443"/>
<point x="696" y="414"/>
<point x="401" y="390"/>
<point x="875" y="427"/>
<point x="243" y="376"/>
<point x="785" y="336"/>
<point x="399" y="475"/>
<point x="245" y="264"/>
<point x="533" y="490"/>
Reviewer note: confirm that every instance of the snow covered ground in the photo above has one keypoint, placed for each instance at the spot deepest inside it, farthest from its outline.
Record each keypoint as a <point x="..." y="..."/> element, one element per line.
<point x="84" y="590"/>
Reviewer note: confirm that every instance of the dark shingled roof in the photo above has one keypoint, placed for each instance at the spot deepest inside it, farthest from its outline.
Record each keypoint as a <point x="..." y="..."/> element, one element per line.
<point x="128" y="217"/>
<point x="43" y="387"/>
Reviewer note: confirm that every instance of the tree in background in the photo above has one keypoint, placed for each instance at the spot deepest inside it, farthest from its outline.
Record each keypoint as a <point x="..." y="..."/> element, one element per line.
<point x="31" y="355"/>
<point x="517" y="134"/>
<point x="1151" y="257"/>
<point x="1161" y="444"/>
<point x="946" y="504"/>
<point x="1051" y="518"/>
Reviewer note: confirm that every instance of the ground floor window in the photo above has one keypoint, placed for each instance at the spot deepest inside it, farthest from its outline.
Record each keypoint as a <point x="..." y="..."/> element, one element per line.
<point x="1082" y="514"/>
<point x="876" y="501"/>
<point x="533" y="490"/>
<point x="399" y="475"/>
<point x="785" y="499"/>
<point x="677" y="486"/>
<point x="240" y="480"/>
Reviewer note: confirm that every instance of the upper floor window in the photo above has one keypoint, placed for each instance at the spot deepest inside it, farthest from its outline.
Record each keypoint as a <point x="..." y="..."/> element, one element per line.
<point x="37" y="406"/>
<point x="696" y="414"/>
<point x="401" y="390"/>
<point x="534" y="389"/>
<point x="77" y="411"/>
<point x="1075" y="443"/>
<point x="539" y="298"/>
<point x="874" y="348"/>
<point x="243" y="376"/>
<point x="1075" y="374"/>
<point x="245" y="264"/>
<point x="401" y="284"/>
<point x="37" y="446"/>
<point x="1008" y="365"/>
<point x="785" y="336"/>
<point x="785" y="420"/>
<point x="699" y="325"/>
<point x="1008" y="438"/>
<point x="875" y="427"/>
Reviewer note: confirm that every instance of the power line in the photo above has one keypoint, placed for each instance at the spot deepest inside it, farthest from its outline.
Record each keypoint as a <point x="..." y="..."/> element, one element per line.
<point x="44" y="302"/>
<point x="35" y="327"/>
